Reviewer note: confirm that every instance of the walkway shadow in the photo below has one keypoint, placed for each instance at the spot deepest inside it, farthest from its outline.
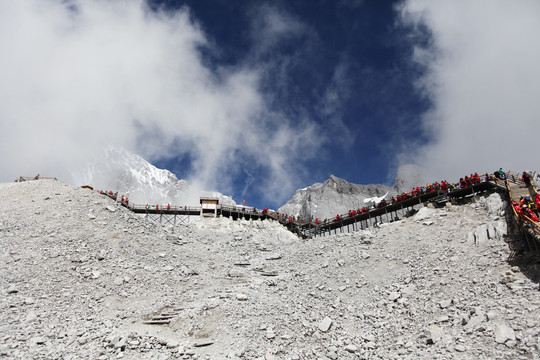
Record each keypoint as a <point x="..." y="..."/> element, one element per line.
<point x="529" y="265"/>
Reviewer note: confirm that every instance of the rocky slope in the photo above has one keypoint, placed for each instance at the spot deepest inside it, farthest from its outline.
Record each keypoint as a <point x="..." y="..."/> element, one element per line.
<point x="120" y="170"/>
<point x="79" y="276"/>
<point x="332" y="197"/>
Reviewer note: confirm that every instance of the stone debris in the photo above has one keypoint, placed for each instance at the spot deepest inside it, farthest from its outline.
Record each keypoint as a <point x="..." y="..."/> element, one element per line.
<point x="325" y="324"/>
<point x="241" y="297"/>
<point x="12" y="289"/>
<point x="435" y="334"/>
<point x="503" y="333"/>
<point x="82" y="281"/>
<point x="445" y="303"/>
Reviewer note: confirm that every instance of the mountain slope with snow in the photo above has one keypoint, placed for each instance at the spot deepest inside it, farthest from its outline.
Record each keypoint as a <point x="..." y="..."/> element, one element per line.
<point x="120" y="170"/>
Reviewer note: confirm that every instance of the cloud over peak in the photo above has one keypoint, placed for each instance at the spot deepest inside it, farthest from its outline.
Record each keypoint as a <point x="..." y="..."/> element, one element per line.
<point x="77" y="75"/>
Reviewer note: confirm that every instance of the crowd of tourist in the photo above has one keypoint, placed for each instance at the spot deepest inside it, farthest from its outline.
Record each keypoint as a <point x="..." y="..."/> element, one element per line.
<point x="527" y="206"/>
<point x="444" y="186"/>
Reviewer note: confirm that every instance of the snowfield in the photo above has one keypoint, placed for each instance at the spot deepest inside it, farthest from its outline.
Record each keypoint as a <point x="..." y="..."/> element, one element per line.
<point x="80" y="277"/>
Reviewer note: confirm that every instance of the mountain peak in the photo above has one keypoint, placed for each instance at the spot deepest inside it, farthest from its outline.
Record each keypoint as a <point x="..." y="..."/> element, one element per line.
<point x="334" y="178"/>
<point x="120" y="170"/>
<point x="334" y="196"/>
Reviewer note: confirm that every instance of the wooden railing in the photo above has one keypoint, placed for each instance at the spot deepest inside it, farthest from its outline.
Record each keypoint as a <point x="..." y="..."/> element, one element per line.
<point x="29" y="178"/>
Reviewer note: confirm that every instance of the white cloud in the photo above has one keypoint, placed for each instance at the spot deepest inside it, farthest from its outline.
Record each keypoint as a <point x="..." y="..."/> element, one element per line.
<point x="80" y="74"/>
<point x="482" y="77"/>
<point x="332" y="105"/>
<point x="271" y="26"/>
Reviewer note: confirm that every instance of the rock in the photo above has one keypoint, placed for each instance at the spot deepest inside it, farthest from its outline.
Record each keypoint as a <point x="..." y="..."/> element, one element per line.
<point x="491" y="315"/>
<point x="203" y="343"/>
<point x="325" y="324"/>
<point x="481" y="235"/>
<point x="434" y="334"/>
<point x="475" y="321"/>
<point x="351" y="348"/>
<point x="445" y="303"/>
<point x="393" y="296"/>
<point x="12" y="289"/>
<point x="503" y="333"/>
<point x="423" y="213"/>
<point x="111" y="208"/>
<point x="31" y="316"/>
<point x="120" y="343"/>
<point x="234" y="273"/>
<point x="409" y="290"/>
<point x="368" y="338"/>
<point x="29" y="301"/>
<point x="241" y="297"/>
<point x="168" y="268"/>
<point x="460" y="348"/>
<point x="91" y="216"/>
<point x="172" y="344"/>
<point x="37" y="340"/>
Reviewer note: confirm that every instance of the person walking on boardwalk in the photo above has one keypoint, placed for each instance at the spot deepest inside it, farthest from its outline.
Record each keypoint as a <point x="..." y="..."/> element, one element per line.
<point x="526" y="179"/>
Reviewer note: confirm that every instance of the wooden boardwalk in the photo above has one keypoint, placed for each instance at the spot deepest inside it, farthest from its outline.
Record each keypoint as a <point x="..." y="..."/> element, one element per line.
<point x="529" y="229"/>
<point x="512" y="188"/>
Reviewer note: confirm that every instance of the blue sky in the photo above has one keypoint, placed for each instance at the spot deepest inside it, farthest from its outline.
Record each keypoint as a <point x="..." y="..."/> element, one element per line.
<point x="259" y="98"/>
<point x="344" y="65"/>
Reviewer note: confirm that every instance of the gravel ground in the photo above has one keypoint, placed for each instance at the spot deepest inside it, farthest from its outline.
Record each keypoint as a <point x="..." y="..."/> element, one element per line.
<point x="80" y="277"/>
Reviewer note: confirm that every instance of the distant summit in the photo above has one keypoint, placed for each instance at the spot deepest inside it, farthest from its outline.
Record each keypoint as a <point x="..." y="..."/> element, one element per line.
<point x="117" y="169"/>
<point x="332" y="197"/>
<point x="337" y="196"/>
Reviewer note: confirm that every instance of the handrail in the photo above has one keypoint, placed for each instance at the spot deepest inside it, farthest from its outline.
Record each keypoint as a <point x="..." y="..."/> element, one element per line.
<point x="451" y="187"/>
<point x="306" y="224"/>
<point x="522" y="217"/>
<point x="29" y="178"/>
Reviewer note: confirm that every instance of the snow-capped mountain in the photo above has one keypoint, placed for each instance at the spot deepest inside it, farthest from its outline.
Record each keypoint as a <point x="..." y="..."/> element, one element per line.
<point x="120" y="170"/>
<point x="332" y="197"/>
